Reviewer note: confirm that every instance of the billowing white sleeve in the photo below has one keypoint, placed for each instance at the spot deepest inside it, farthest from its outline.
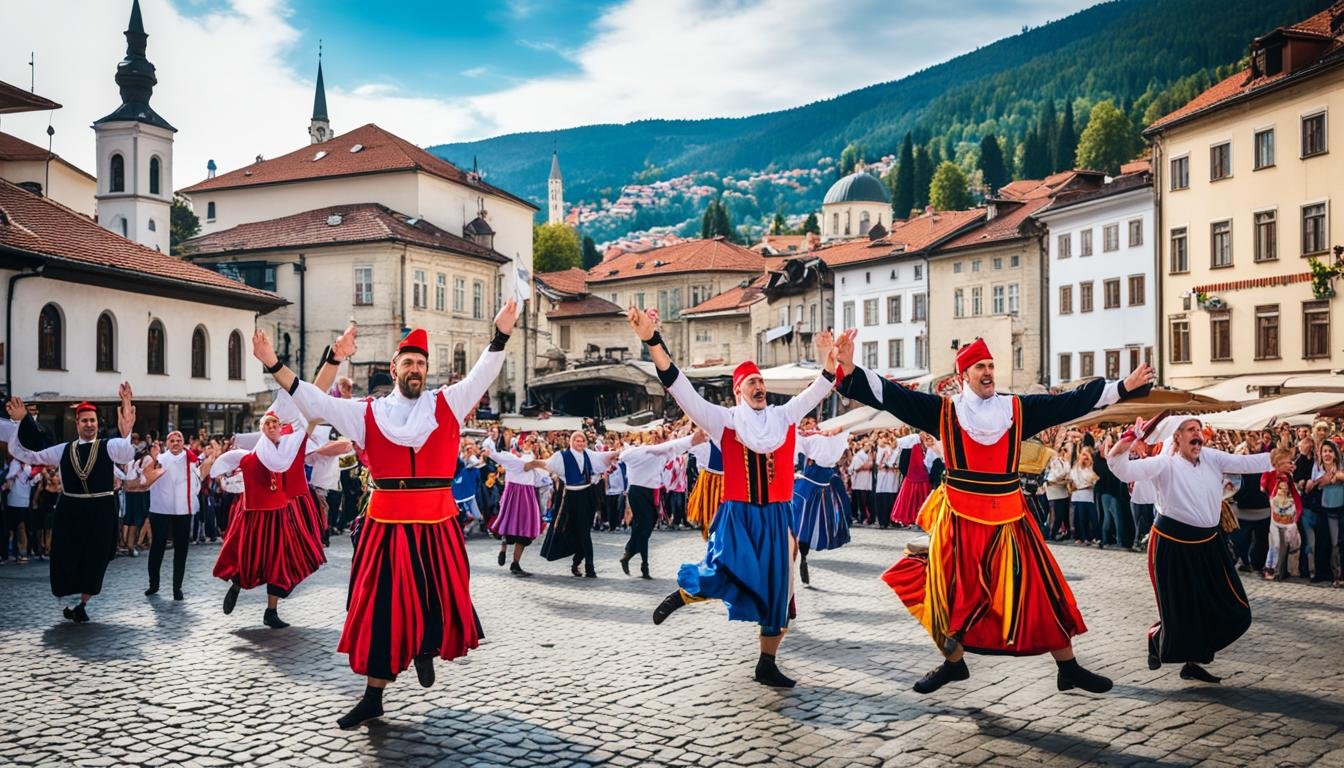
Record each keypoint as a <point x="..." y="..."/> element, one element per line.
<point x="8" y="428"/>
<point x="805" y="402"/>
<point x="246" y="440"/>
<point x="707" y="416"/>
<point x="508" y="461"/>
<point x="463" y="396"/>
<point x="47" y="457"/>
<point x="669" y="448"/>
<point x="1240" y="464"/>
<point x="227" y="462"/>
<point x="121" y="450"/>
<point x="602" y="460"/>
<point x="347" y="416"/>
<point x="1134" y="471"/>
<point x="556" y="464"/>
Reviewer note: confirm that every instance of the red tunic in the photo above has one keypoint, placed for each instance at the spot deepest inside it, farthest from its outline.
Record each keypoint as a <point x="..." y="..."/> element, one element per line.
<point x="264" y="489"/>
<point x="757" y="478"/>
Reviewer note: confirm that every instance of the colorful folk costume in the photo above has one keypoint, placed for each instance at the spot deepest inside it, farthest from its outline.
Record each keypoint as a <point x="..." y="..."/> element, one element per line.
<point x="643" y="471"/>
<point x="707" y="494"/>
<point x="915" y="487"/>
<point x="571" y="532"/>
<point x="519" y="520"/>
<point x="747" y="560"/>
<point x="820" y="502"/>
<point x="409" y="597"/>
<point x="1201" y="605"/>
<point x="271" y="539"/>
<point x="84" y="532"/>
<point x="988" y="583"/>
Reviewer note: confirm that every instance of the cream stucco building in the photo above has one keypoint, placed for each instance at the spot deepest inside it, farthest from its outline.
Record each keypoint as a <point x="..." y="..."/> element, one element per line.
<point x="37" y="170"/>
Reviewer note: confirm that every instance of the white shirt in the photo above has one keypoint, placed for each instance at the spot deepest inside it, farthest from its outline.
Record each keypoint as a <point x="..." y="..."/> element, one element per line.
<point x="177" y="492"/>
<point x="701" y="454"/>
<point x="326" y="469"/>
<point x="860" y="479"/>
<point x="645" y="464"/>
<point x="1190" y="493"/>
<point x="599" y="463"/>
<point x="1083" y="479"/>
<point x="762" y="431"/>
<point x="21" y="482"/>
<point x="513" y="469"/>
<point x="824" y="450"/>
<point x="1143" y="492"/>
<point x="616" y="480"/>
<point x="886" y="470"/>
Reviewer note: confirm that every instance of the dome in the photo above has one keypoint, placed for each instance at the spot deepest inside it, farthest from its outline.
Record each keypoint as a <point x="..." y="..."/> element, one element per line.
<point x="857" y="187"/>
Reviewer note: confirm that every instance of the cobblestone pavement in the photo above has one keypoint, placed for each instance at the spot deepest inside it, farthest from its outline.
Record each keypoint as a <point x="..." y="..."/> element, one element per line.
<point x="572" y="672"/>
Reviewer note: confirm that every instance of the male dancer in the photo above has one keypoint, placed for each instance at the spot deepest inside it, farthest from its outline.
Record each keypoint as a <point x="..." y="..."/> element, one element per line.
<point x="174" y="496"/>
<point x="989" y="583"/>
<point x="1201" y="605"/>
<point x="571" y="533"/>
<point x="749" y="553"/>
<point x="84" y="535"/>
<point x="409" y="588"/>
<point x="644" y="466"/>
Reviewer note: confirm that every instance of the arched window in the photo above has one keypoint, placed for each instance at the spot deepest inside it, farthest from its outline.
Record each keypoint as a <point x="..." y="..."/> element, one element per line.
<point x="153" y="176"/>
<point x="50" y="338"/>
<point x="863" y="223"/>
<point x="106" y="343"/>
<point x="235" y="355"/>
<point x="460" y="359"/>
<point x="152" y="226"/>
<point x="118" y="183"/>
<point x="154" y="347"/>
<point x="835" y="223"/>
<point x="198" y="352"/>
<point x="210" y="211"/>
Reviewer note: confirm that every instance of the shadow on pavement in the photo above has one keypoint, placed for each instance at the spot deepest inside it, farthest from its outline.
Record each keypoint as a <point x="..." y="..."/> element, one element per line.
<point x="454" y="737"/>
<point x="1065" y="745"/>
<point x="94" y="641"/>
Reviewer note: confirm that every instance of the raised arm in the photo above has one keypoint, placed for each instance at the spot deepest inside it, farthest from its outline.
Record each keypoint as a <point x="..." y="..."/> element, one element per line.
<point x="346" y="415"/>
<point x="463" y="396"/>
<point x="1240" y="464"/>
<point x="1134" y="471"/>
<point x="918" y="409"/>
<point x="227" y="462"/>
<point x="669" y="448"/>
<point x="1040" y="412"/>
<point x="508" y="461"/>
<point x="709" y="417"/>
<point x="803" y="403"/>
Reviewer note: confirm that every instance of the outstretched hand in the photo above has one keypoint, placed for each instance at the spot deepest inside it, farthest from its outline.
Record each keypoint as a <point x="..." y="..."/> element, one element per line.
<point x="262" y="348"/>
<point x="344" y="347"/>
<point x="844" y="350"/>
<point x="126" y="413"/>
<point x="507" y="316"/>
<point x="1140" y="377"/>
<point x="644" y="322"/>
<point x="15" y="408"/>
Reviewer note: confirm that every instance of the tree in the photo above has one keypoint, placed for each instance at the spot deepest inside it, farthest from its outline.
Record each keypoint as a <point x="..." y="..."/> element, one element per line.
<point x="923" y="177"/>
<point x="1066" y="146"/>
<point x="555" y="247"/>
<point x="1048" y="130"/>
<point x="850" y="157"/>
<point x="591" y="258"/>
<point x="1107" y="141"/>
<point x="903" y="188"/>
<point x="182" y="225"/>
<point x="947" y="191"/>
<point x="709" y="220"/>
<point x="1035" y="156"/>
<point x="810" y="226"/>
<point x="715" y="222"/>
<point x="778" y="225"/>
<point x="991" y="164"/>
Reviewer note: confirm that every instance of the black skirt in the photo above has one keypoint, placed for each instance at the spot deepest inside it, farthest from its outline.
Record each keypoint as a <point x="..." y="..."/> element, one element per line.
<point x="1201" y="605"/>
<point x="573" y="521"/>
<point x="83" y="542"/>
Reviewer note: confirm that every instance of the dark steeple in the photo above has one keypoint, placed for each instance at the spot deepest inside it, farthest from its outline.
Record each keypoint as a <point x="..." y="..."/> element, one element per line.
<point x="135" y="78"/>
<point x="320" y="98"/>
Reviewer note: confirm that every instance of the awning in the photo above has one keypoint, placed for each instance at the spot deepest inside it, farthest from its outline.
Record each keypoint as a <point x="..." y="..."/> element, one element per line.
<point x="622" y="426"/>
<point x="709" y="372"/>
<point x="778" y="333"/>
<point x="1155" y="402"/>
<point x="1315" y="382"/>
<point x="634" y="372"/>
<point x="1239" y="389"/>
<point x="1259" y="415"/>
<point x="862" y="419"/>
<point x="790" y="378"/>
<point x="529" y="424"/>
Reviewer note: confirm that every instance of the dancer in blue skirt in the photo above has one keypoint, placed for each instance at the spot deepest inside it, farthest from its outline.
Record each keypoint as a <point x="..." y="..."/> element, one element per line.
<point x="820" y="501"/>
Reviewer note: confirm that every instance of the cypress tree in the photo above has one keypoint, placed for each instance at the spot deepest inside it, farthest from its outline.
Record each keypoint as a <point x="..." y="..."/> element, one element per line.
<point x="991" y="164"/>
<point x="903" y="195"/>
<point x="1066" y="147"/>
<point x="923" y="177"/>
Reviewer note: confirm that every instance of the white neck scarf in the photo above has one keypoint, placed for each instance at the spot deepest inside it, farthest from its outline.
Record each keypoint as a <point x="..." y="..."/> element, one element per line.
<point x="762" y="431"/>
<point x="406" y="422"/>
<point x="279" y="457"/>
<point x="985" y="419"/>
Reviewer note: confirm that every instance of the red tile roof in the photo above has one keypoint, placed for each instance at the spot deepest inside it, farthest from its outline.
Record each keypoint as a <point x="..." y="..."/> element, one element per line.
<point x="358" y="223"/>
<point x="380" y="152"/>
<point x="1029" y="196"/>
<point x="715" y="255"/>
<point x="737" y="297"/>
<point x="71" y="241"/>
<point x="588" y="306"/>
<point x="15" y="149"/>
<point x="783" y="244"/>
<point x="909" y="236"/>
<point x="1242" y="83"/>
<point x="572" y="280"/>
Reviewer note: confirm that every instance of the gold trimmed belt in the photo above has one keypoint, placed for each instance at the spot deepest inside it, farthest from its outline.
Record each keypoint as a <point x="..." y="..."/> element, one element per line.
<point x="100" y="495"/>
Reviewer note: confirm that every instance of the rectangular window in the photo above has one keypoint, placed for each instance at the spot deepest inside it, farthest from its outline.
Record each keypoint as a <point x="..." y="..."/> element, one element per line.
<point x="1180" y="340"/>
<point x="1220" y="161"/>
<point x="420" y="290"/>
<point x="870" y="311"/>
<point x="1135" y="233"/>
<point x="1111" y="293"/>
<point x="674" y="309"/>
<point x="975" y="265"/>
<point x="1065" y="367"/>
<point x="896" y="353"/>
<point x="1180" y="173"/>
<point x="477" y="299"/>
<point x="1065" y="246"/>
<point x="1266" y="236"/>
<point x="1112" y="364"/>
<point x="1066" y="299"/>
<point x="564" y="337"/>
<point x="1264" y="148"/>
<point x="639" y="300"/>
<point x="996" y="300"/>
<point x="1087" y="365"/>
<point x="958" y="303"/>
<point x="1220" y="246"/>
<point x="956" y="268"/>
<point x="440" y="292"/>
<point x="998" y="262"/>
<point x="1017" y="357"/>
<point x="919" y="272"/>
<point x="870" y="354"/>
<point x="920" y="351"/>
<point x="1313" y="229"/>
<point x="1085" y="242"/>
<point x="919" y="310"/>
<point x="977" y="301"/>
<point x="1180" y="257"/>
<point x="663" y="308"/>
<point x="459" y="294"/>
<point x="1313" y="135"/>
<point x="1220" y="336"/>
<point x="893" y="309"/>
<point x="1315" y="329"/>
<point x="364" y="286"/>
<point x="1137" y="291"/>
<point x="1267" y="332"/>
<point x="1013" y="298"/>
<point x="1015" y="260"/>
<point x="1110" y="238"/>
<point x="848" y="310"/>
<point x="1085" y="296"/>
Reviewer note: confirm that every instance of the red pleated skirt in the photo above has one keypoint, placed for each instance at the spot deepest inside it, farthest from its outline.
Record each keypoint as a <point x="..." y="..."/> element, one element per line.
<point x="914" y="492"/>
<point x="275" y="547"/>
<point x="410" y="595"/>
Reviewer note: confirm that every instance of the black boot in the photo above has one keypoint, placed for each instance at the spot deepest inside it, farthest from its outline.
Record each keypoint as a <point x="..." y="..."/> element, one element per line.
<point x="76" y="614"/>
<point x="625" y="563"/>
<point x="231" y="598"/>
<point x="1072" y="675"/>
<point x="424" y="669"/>
<point x="153" y="590"/>
<point x="177" y="594"/>
<point x="501" y="557"/>
<point x="369" y="707"/>
<point x="1154" y="660"/>
<point x="574" y="569"/>
<point x="943" y="674"/>
<point x="644" y="571"/>
<point x="272" y="619"/>
<point x="1192" y="671"/>
<point x="670" y="603"/>
<point x="767" y="673"/>
<point x="517" y="570"/>
<point x="802" y="570"/>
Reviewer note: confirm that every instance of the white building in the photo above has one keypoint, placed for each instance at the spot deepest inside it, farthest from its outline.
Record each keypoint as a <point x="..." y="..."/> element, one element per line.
<point x="1101" y="288"/>
<point x="555" y="193"/>
<point x="853" y="205"/>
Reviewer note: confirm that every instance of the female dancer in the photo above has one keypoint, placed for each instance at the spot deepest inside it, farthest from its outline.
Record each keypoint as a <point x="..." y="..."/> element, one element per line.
<point x="820" y="503"/>
<point x="519" y="520"/>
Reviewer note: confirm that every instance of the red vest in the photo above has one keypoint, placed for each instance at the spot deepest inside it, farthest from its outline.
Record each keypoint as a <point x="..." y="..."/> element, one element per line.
<point x="264" y="489"/>
<point x="982" y="481"/>
<point x="750" y="477"/>
<point x="437" y="458"/>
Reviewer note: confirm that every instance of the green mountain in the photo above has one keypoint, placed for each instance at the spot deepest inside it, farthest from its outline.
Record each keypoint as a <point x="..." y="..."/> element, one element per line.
<point x="1133" y="52"/>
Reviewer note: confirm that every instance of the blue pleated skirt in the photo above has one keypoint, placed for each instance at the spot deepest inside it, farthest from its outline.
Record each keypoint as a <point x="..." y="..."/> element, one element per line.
<point x="820" y="509"/>
<point x="746" y="563"/>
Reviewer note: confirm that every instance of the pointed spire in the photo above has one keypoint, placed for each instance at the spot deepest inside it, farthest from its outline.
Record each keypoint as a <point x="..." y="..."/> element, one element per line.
<point x="135" y="77"/>
<point x="555" y="166"/>
<point x="320" y="97"/>
<point x="137" y="24"/>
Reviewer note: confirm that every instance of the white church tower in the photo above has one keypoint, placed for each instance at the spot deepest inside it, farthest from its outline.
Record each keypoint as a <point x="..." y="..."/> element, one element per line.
<point x="555" y="193"/>
<point x="135" y="152"/>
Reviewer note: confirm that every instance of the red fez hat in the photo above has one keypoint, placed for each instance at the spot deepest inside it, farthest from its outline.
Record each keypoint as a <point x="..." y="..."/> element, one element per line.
<point x="85" y="406"/>
<point x="741" y="372"/>
<point x="971" y="354"/>
<point x="416" y="341"/>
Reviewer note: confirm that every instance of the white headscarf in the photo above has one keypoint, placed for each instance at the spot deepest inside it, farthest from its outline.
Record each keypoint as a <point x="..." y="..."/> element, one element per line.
<point x="406" y="422"/>
<point x="985" y="419"/>
<point x="762" y="431"/>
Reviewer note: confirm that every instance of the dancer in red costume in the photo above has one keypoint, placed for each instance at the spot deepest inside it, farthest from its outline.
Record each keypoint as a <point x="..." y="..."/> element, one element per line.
<point x="409" y="593"/>
<point x="988" y="583"/>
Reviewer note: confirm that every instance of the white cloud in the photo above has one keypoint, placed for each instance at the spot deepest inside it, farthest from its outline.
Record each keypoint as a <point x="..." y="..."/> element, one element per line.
<point x="225" y="84"/>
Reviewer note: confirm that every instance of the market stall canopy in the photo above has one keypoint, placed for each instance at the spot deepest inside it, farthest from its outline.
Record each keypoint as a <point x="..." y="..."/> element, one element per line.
<point x="531" y="424"/>
<point x="709" y="372"/>
<point x="1174" y="400"/>
<point x="1260" y="415"/>
<point x="863" y="419"/>
<point x="790" y="378"/>
<point x="637" y="372"/>
<point x="1239" y="389"/>
<point x="623" y="426"/>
